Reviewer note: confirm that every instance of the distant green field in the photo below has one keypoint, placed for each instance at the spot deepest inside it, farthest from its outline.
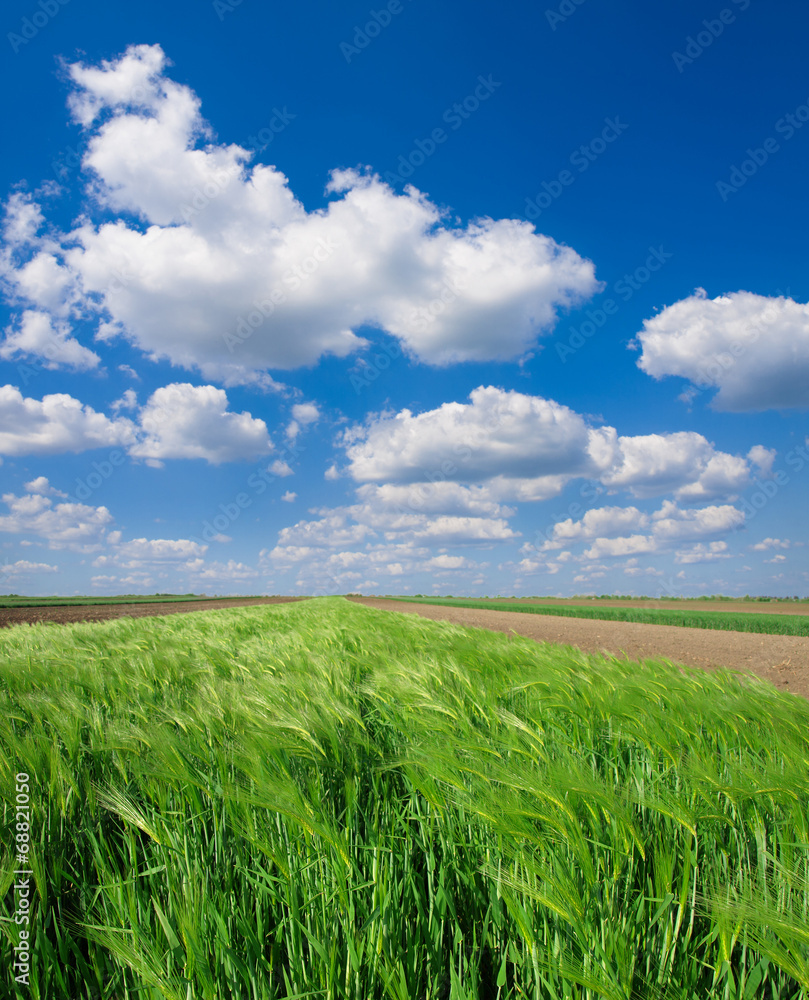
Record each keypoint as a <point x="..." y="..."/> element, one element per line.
<point x="13" y="601"/>
<point x="319" y="799"/>
<point x="731" y="621"/>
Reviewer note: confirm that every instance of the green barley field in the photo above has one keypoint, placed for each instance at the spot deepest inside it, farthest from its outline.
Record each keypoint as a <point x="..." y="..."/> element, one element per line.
<point x="322" y="800"/>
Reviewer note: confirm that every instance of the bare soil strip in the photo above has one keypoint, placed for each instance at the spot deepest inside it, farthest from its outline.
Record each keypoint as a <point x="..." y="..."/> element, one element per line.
<point x="781" y="659"/>
<point x="67" y="614"/>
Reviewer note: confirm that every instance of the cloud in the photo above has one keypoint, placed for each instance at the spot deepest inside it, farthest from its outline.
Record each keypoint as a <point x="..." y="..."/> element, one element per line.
<point x="229" y="572"/>
<point x="683" y="463"/>
<point x="281" y="468"/>
<point x="702" y="552"/>
<point x="330" y="550"/>
<point x="305" y="413"/>
<point x="620" y="546"/>
<point x="129" y="401"/>
<point x="22" y="567"/>
<point x="771" y="543"/>
<point x="43" y="487"/>
<point x="430" y="498"/>
<point x="447" y="562"/>
<point x="158" y="550"/>
<point x="72" y="526"/>
<point x="521" y="447"/>
<point x="289" y="497"/>
<point x="753" y="349"/>
<point x="598" y="522"/>
<point x="763" y="458"/>
<point x="332" y="531"/>
<point x="22" y="221"/>
<point x="59" y="423"/>
<point x="671" y="523"/>
<point x="186" y="421"/>
<point x="228" y="273"/>
<point x="39" y="335"/>
<point x="505" y="437"/>
<point x="178" y="421"/>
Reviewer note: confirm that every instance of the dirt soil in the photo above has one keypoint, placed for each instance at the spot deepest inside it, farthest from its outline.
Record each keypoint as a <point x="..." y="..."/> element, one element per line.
<point x="104" y="612"/>
<point x="781" y="659"/>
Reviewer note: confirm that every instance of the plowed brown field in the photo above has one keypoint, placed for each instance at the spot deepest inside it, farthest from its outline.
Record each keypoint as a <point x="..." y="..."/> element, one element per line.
<point x="103" y="612"/>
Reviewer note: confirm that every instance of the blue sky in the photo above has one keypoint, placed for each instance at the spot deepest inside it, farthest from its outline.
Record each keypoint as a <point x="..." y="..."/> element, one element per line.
<point x="397" y="299"/>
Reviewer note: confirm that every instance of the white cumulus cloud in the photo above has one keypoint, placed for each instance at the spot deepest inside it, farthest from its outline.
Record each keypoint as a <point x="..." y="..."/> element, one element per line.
<point x="38" y="335"/>
<point x="754" y="349"/>
<point x="232" y="276"/>
<point x="177" y="421"/>
<point x="186" y="421"/>
<point x="683" y="463"/>
<point x="74" y="526"/>
<point x="520" y="447"/>
<point x="499" y="435"/>
<point x="57" y="423"/>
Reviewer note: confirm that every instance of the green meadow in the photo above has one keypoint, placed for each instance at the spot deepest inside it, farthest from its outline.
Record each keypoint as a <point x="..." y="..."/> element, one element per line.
<point x="319" y="799"/>
<point x="732" y="621"/>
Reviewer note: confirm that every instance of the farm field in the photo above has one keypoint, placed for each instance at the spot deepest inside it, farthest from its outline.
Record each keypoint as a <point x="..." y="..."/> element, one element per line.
<point x="326" y="799"/>
<point x="774" y="606"/>
<point x="63" y="614"/>
<point x="731" y="621"/>
<point x="783" y="660"/>
<point x="21" y="601"/>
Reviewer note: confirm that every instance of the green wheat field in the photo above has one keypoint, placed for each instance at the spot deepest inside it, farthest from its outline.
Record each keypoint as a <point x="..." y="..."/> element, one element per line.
<point x="323" y="800"/>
